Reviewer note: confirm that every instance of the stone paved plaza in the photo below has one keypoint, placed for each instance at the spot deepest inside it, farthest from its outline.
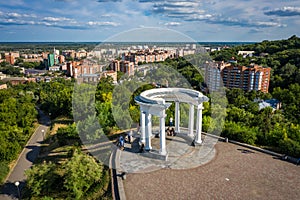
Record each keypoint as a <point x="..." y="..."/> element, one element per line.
<point x="230" y="172"/>
<point x="181" y="155"/>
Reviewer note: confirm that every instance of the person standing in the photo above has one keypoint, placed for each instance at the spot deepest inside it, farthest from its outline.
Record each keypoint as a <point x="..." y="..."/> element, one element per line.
<point x="129" y="136"/>
<point x="121" y="142"/>
<point x="171" y="121"/>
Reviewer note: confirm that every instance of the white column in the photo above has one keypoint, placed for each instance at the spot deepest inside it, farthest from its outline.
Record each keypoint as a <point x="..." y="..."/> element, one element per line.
<point x="191" y="120"/>
<point x="177" y="117"/>
<point x="162" y="137"/>
<point x="148" y="132"/>
<point x="198" y="139"/>
<point x="150" y="126"/>
<point x="142" y="126"/>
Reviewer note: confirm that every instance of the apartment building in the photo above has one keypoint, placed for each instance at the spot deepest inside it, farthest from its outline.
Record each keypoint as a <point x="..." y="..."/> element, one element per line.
<point x="213" y="77"/>
<point x="123" y="66"/>
<point x="147" y="56"/>
<point x="127" y="67"/>
<point x="230" y="75"/>
<point x="10" y="57"/>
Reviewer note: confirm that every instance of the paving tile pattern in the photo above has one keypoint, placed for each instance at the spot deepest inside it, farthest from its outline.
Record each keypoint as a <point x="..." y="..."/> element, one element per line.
<point x="181" y="155"/>
<point x="234" y="173"/>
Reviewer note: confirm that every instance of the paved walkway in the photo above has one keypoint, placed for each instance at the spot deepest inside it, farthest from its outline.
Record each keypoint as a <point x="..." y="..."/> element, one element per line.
<point x="26" y="158"/>
<point x="181" y="155"/>
<point x="235" y="173"/>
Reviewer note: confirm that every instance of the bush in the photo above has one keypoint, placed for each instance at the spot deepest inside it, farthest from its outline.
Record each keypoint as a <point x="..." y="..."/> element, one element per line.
<point x="79" y="177"/>
<point x="240" y="133"/>
<point x="67" y="133"/>
<point x="4" y="169"/>
<point x="290" y="147"/>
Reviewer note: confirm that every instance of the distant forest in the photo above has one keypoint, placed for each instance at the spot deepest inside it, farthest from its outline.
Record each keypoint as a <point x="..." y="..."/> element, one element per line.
<point x="38" y="47"/>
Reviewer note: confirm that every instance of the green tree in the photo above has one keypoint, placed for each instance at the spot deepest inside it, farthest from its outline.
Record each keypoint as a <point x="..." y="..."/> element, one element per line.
<point x="89" y="129"/>
<point x="239" y="132"/>
<point x="41" y="178"/>
<point x="208" y="124"/>
<point x="81" y="173"/>
<point x="239" y="115"/>
<point x="65" y="134"/>
<point x="290" y="147"/>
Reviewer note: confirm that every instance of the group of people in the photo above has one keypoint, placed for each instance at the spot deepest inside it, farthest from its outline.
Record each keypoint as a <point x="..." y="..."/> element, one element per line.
<point x="122" y="140"/>
<point x="170" y="131"/>
<point x="128" y="138"/>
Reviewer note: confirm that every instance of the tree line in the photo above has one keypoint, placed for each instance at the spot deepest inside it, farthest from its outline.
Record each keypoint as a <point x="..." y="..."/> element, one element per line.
<point x="17" y="116"/>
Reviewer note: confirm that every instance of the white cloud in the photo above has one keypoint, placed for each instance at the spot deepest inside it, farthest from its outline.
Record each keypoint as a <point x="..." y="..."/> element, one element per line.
<point x="247" y="23"/>
<point x="284" y="12"/>
<point x="45" y="23"/>
<point x="56" y="19"/>
<point x="97" y="23"/>
<point x="178" y="9"/>
<point x="267" y="24"/>
<point x="230" y="18"/>
<point x="172" y="24"/>
<point x="16" y="15"/>
<point x="9" y="22"/>
<point x="108" y="15"/>
<point x="199" y="17"/>
<point x="13" y="14"/>
<point x="29" y="15"/>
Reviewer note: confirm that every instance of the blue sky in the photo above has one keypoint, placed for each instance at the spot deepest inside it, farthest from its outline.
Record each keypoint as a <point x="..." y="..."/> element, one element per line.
<point x="97" y="20"/>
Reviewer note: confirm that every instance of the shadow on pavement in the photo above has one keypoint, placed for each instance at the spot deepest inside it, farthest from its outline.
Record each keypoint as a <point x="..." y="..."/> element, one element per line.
<point x="11" y="190"/>
<point x="246" y="151"/>
<point x="43" y="118"/>
<point x="33" y="154"/>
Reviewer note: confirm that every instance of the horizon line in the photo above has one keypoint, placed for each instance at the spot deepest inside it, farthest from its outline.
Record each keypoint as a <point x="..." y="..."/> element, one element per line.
<point x="128" y="41"/>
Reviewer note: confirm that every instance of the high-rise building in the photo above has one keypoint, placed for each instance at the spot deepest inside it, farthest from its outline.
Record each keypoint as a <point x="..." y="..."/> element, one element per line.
<point x="61" y="59"/>
<point x="115" y="65"/>
<point x="252" y="77"/>
<point x="10" y="59"/>
<point x="213" y="77"/>
<point x="51" y="60"/>
<point x="56" y="55"/>
<point x="127" y="67"/>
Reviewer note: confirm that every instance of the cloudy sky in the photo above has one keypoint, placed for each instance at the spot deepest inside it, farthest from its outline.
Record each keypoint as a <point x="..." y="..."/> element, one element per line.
<point x="97" y="20"/>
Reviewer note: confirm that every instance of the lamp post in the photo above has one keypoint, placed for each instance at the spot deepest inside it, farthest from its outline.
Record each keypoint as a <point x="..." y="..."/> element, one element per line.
<point x="17" y="183"/>
<point x="43" y="132"/>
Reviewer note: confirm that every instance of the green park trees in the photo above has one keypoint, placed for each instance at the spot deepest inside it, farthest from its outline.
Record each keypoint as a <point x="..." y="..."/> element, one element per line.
<point x="81" y="172"/>
<point x="7" y="68"/>
<point x="290" y="101"/>
<point x="17" y="115"/>
<point x="74" y="178"/>
<point x="56" y="98"/>
<point x="275" y="129"/>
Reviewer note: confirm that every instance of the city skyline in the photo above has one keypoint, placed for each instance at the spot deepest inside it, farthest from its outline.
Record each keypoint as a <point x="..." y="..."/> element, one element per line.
<point x="97" y="20"/>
